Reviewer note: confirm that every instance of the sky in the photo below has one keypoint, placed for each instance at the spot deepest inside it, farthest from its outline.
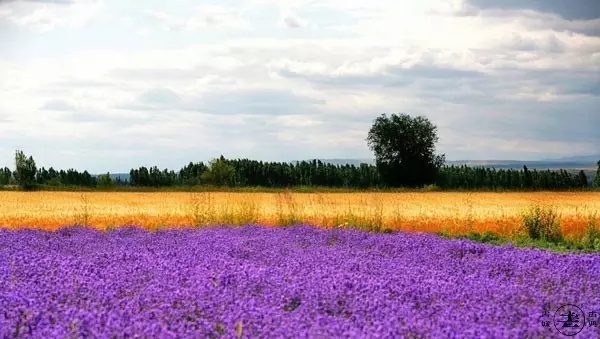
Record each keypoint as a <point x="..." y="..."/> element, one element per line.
<point x="106" y="85"/>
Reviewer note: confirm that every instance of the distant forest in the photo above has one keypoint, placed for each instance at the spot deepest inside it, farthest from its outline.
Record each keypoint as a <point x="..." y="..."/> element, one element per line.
<point x="404" y="149"/>
<point x="252" y="173"/>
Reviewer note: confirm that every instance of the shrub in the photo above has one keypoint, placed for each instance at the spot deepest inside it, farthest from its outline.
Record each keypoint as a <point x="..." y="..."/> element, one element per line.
<point x="542" y="223"/>
<point x="591" y="239"/>
<point x="486" y="237"/>
<point x="430" y="188"/>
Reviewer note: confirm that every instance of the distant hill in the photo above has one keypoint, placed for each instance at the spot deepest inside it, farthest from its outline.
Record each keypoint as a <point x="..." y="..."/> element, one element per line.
<point x="593" y="158"/>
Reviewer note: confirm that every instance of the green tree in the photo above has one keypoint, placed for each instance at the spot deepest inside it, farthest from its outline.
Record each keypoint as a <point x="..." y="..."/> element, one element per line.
<point x="5" y="176"/>
<point x="528" y="178"/>
<point x="597" y="179"/>
<point x="105" y="181"/>
<point x="404" y="148"/>
<point x="219" y="173"/>
<point x="583" y="179"/>
<point x="25" y="170"/>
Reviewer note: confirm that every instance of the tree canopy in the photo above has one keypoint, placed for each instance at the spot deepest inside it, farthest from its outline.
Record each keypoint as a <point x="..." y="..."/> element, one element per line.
<point x="404" y="148"/>
<point x="25" y="170"/>
<point x="219" y="173"/>
<point x="105" y="181"/>
<point x="597" y="179"/>
<point x="246" y="172"/>
<point x="5" y="176"/>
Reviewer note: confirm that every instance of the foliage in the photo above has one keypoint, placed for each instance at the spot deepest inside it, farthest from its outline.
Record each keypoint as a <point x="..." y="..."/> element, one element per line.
<point x="219" y="173"/>
<point x="404" y="149"/>
<point x="70" y="177"/>
<point x="309" y="176"/>
<point x="486" y="237"/>
<point x="5" y="176"/>
<point x="190" y="175"/>
<point x="589" y="243"/>
<point x="152" y="177"/>
<point x="542" y="223"/>
<point x="597" y="179"/>
<point x="25" y="170"/>
<point x="105" y="181"/>
<point x="472" y="178"/>
<point x="583" y="179"/>
<point x="591" y="239"/>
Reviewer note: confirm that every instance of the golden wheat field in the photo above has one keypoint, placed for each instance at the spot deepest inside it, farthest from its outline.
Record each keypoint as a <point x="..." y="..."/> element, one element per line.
<point x="423" y="211"/>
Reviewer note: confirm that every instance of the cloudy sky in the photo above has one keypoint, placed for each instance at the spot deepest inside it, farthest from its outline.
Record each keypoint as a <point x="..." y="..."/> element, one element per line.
<point x="110" y="85"/>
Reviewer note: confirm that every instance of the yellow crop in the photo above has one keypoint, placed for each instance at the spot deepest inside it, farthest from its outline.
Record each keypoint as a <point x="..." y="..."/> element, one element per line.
<point x="426" y="211"/>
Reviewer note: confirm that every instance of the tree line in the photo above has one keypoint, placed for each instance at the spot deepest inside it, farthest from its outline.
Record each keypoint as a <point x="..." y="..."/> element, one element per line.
<point x="252" y="173"/>
<point x="28" y="176"/>
<point x="245" y="173"/>
<point x="404" y="149"/>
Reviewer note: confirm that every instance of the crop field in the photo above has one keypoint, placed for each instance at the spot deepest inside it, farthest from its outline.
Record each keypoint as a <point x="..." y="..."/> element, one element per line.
<point x="274" y="282"/>
<point x="452" y="213"/>
<point x="175" y="264"/>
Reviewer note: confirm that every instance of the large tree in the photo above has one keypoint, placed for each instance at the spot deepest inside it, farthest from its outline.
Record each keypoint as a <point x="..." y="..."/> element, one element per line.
<point x="25" y="170"/>
<point x="404" y="148"/>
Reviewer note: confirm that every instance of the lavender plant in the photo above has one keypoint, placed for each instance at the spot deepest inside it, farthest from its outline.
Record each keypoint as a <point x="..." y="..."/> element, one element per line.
<point x="266" y="282"/>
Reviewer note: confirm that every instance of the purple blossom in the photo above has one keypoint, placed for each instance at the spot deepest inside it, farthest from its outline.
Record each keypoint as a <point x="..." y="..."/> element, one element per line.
<point x="298" y="281"/>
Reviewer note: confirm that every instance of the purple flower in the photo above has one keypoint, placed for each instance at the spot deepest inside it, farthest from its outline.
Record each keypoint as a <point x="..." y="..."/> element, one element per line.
<point x="299" y="281"/>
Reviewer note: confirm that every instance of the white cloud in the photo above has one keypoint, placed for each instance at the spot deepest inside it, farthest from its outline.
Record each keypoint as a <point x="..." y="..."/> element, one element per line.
<point x="290" y="20"/>
<point x="202" y="17"/>
<point x="45" y="17"/>
<point x="228" y="79"/>
<point x="145" y="32"/>
<point x="167" y="21"/>
<point x="5" y="12"/>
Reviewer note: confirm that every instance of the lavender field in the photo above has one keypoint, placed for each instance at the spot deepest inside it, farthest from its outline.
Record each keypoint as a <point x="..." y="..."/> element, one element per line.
<point x="300" y="281"/>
